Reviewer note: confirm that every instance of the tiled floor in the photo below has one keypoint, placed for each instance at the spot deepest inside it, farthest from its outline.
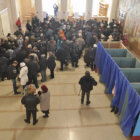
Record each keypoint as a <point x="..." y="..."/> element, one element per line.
<point x="69" y="120"/>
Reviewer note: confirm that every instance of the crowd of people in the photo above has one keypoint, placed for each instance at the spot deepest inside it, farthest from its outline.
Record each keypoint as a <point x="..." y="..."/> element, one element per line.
<point x="64" y="40"/>
<point x="25" y="54"/>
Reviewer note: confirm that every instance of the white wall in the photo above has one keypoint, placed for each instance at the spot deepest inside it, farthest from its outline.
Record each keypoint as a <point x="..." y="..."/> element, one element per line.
<point x="5" y="23"/>
<point x="10" y="4"/>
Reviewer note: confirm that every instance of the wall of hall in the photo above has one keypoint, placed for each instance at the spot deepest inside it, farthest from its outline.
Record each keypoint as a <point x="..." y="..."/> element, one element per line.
<point x="10" y="4"/>
<point x="129" y="17"/>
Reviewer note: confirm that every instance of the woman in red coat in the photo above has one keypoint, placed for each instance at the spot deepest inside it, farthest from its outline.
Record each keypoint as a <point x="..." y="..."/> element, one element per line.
<point x="18" y="23"/>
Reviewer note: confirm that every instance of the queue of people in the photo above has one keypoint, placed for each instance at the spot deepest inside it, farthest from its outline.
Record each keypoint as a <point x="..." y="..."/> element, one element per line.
<point x="24" y="55"/>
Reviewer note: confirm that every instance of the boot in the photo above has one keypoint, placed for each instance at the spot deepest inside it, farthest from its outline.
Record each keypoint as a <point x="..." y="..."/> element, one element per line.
<point x="88" y="102"/>
<point x="45" y="116"/>
<point x="116" y="110"/>
<point x="27" y="121"/>
<point x="82" y="101"/>
<point x="113" y="109"/>
<point x="34" y="123"/>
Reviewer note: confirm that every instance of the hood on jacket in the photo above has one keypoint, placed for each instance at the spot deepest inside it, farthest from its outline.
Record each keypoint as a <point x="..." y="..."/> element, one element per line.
<point x="22" y="64"/>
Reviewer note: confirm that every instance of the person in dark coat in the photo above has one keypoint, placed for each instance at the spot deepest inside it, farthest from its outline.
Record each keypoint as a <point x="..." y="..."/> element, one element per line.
<point x="88" y="38"/>
<point x="89" y="56"/>
<point x="74" y="53"/>
<point x="21" y="55"/>
<point x="30" y="101"/>
<point x="3" y="66"/>
<point x="86" y="83"/>
<point x="52" y="45"/>
<point x="61" y="55"/>
<point x="43" y="67"/>
<point x="28" y="26"/>
<point x="51" y="64"/>
<point x="12" y="72"/>
<point x="33" y="69"/>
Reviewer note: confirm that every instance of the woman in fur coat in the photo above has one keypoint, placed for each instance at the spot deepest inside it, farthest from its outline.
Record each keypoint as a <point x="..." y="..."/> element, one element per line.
<point x="23" y="74"/>
<point x="45" y="101"/>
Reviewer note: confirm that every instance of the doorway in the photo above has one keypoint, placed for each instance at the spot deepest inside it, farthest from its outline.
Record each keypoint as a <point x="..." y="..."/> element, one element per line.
<point x="47" y="6"/>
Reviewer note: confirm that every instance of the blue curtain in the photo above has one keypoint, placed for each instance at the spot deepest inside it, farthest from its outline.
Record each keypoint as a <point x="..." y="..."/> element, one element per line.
<point x="111" y="76"/>
<point x="132" y="111"/>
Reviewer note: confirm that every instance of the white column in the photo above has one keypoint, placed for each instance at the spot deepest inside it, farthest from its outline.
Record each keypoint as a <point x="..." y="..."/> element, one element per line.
<point x="64" y="5"/>
<point x="11" y="4"/>
<point x="114" y="9"/>
<point x="38" y="7"/>
<point x="89" y="9"/>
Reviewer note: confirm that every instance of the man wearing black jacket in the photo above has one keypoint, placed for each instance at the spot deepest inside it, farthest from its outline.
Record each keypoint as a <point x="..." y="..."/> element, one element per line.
<point x="12" y="70"/>
<point x="30" y="101"/>
<point x="51" y="64"/>
<point x="33" y="68"/>
<point x="86" y="83"/>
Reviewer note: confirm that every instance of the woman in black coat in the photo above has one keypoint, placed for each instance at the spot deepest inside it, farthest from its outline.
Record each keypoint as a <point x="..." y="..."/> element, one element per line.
<point x="3" y="66"/>
<point x="43" y="67"/>
<point x="51" y="64"/>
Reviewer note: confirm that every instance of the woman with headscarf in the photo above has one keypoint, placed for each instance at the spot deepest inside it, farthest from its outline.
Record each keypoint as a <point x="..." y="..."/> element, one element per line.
<point x="44" y="101"/>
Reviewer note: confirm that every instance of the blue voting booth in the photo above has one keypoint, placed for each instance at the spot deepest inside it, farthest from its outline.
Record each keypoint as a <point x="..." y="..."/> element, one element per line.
<point x="127" y="100"/>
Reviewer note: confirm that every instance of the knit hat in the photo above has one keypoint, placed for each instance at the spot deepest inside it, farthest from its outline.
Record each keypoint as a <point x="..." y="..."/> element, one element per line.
<point x="87" y="73"/>
<point x="44" y="88"/>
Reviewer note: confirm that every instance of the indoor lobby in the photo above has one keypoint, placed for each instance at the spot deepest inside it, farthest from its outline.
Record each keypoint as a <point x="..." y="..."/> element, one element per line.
<point x="68" y="118"/>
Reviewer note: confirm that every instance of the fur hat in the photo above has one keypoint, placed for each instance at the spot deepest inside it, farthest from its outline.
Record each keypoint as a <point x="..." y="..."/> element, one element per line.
<point x="44" y="88"/>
